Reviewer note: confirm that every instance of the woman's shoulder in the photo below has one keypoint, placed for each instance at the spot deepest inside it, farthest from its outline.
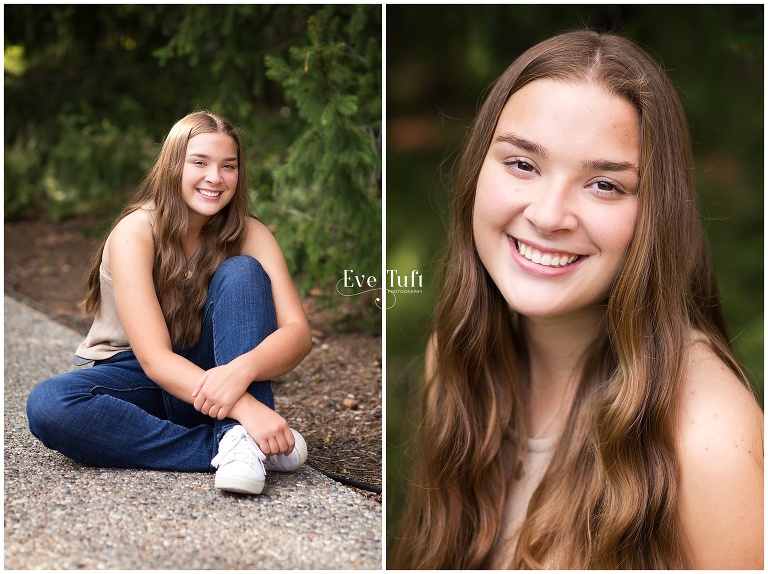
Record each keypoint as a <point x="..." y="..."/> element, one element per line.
<point x="256" y="227"/>
<point x="135" y="230"/>
<point x="720" y="451"/>
<point x="715" y="402"/>
<point x="258" y="237"/>
<point x="138" y="221"/>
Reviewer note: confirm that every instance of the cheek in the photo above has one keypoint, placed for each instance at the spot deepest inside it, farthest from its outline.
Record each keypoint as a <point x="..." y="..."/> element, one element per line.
<point x="613" y="228"/>
<point x="481" y="216"/>
<point x="487" y="202"/>
<point x="616" y="241"/>
<point x="624" y="230"/>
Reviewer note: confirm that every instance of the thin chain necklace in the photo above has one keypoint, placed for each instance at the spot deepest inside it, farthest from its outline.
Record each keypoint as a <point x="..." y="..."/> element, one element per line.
<point x="191" y="260"/>
<point x="519" y="467"/>
<point x="554" y="414"/>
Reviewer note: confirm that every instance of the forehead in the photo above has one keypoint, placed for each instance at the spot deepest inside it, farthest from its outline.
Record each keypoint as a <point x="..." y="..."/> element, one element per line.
<point x="213" y="143"/>
<point x="572" y="118"/>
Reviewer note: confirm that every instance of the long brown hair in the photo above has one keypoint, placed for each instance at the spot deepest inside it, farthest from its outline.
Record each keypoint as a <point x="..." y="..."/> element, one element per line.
<point x="182" y="298"/>
<point x="609" y="498"/>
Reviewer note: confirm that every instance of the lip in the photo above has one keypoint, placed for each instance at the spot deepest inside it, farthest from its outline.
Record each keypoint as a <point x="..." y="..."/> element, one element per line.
<point x="543" y="270"/>
<point x="200" y="191"/>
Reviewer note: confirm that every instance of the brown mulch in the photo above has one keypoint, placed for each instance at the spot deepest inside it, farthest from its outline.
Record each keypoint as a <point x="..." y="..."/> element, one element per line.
<point x="333" y="398"/>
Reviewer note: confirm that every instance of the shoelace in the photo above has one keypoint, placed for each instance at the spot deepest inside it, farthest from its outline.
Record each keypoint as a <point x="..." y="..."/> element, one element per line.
<point x="241" y="447"/>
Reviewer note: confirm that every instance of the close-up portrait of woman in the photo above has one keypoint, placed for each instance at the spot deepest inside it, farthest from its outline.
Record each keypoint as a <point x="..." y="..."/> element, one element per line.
<point x="588" y="396"/>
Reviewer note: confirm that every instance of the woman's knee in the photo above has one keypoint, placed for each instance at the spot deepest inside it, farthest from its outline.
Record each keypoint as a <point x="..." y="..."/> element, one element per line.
<point x="241" y="267"/>
<point x="55" y="406"/>
<point x="240" y="283"/>
<point x="44" y="408"/>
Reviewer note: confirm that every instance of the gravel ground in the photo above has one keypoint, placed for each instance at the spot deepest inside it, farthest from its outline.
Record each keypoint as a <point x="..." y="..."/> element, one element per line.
<point x="62" y="515"/>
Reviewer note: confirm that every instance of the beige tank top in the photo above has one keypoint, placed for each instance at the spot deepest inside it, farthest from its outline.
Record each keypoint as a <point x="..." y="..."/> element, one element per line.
<point x="540" y="453"/>
<point x="107" y="336"/>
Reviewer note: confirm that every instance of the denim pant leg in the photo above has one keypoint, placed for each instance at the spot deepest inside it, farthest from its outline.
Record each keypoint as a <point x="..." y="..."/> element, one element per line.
<point x="113" y="415"/>
<point x="239" y="314"/>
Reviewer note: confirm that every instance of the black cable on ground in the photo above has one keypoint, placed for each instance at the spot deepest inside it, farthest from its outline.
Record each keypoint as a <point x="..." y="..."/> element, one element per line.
<point x="347" y="481"/>
<point x="14" y="283"/>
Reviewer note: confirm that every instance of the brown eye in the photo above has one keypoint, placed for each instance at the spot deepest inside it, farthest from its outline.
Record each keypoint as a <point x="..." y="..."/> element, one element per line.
<point x="607" y="188"/>
<point x="518" y="164"/>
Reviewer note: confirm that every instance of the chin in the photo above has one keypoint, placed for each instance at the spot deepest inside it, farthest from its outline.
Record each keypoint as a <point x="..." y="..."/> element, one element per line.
<point x="541" y="308"/>
<point x="538" y="312"/>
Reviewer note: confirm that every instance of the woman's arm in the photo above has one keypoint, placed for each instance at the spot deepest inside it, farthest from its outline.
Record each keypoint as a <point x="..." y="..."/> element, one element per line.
<point x="721" y="467"/>
<point x="131" y="253"/>
<point x="276" y="355"/>
<point x="131" y="256"/>
<point x="284" y="349"/>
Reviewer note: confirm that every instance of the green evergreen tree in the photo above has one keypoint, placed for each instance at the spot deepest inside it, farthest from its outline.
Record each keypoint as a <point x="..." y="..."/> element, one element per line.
<point x="90" y="92"/>
<point x="329" y="184"/>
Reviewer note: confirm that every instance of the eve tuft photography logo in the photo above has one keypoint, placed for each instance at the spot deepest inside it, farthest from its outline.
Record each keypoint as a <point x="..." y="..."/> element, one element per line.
<point x="411" y="283"/>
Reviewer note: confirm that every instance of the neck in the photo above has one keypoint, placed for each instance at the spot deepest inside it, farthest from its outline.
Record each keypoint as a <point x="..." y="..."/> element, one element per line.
<point x="192" y="240"/>
<point x="195" y="225"/>
<point x="556" y="347"/>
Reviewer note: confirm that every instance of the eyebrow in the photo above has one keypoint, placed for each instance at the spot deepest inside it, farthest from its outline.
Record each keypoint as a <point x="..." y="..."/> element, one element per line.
<point x="605" y="165"/>
<point x="592" y="164"/>
<point x="204" y="156"/>
<point x="522" y="143"/>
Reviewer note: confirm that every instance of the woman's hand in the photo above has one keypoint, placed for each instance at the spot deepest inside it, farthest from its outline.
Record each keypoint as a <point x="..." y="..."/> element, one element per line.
<point x="267" y="428"/>
<point x="219" y="389"/>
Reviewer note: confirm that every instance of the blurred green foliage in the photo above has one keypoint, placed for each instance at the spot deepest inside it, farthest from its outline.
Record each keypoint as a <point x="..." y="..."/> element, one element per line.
<point x="332" y="172"/>
<point x="440" y="61"/>
<point x="91" y="90"/>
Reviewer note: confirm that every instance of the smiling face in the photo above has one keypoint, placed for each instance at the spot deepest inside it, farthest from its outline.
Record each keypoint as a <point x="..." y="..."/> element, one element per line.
<point x="555" y="206"/>
<point x="209" y="177"/>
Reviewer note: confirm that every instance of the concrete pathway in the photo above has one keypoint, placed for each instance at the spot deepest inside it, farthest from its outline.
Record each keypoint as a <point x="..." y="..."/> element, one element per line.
<point x="62" y="515"/>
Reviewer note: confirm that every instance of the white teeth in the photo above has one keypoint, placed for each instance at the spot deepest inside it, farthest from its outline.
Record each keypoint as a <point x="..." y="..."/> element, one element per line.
<point x="207" y="193"/>
<point x="548" y="259"/>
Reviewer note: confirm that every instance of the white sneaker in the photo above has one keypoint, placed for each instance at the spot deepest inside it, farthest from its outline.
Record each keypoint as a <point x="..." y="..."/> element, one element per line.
<point x="292" y="461"/>
<point x="240" y="463"/>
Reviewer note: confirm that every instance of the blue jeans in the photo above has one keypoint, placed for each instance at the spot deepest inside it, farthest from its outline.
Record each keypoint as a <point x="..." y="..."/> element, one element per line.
<point x="113" y="415"/>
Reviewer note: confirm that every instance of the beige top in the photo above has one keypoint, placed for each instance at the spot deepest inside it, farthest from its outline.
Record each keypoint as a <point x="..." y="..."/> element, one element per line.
<point x="540" y="453"/>
<point x="107" y="336"/>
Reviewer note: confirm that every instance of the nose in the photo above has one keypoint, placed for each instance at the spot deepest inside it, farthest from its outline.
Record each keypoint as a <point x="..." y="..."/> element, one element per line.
<point x="213" y="175"/>
<point x="551" y="209"/>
